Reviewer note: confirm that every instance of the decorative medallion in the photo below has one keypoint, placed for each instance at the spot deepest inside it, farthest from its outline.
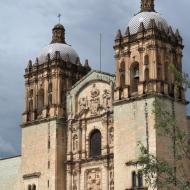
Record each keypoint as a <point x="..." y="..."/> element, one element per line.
<point x="93" y="179"/>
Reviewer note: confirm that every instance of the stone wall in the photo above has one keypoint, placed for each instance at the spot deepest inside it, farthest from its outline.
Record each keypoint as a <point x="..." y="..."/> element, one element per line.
<point x="10" y="173"/>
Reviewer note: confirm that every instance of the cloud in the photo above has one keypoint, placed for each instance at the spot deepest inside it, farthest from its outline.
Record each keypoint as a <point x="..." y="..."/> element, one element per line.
<point x="25" y="28"/>
<point x="6" y="148"/>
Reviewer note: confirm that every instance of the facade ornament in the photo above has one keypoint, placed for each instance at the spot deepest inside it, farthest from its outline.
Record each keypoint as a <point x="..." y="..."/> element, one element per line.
<point x="106" y="98"/>
<point x="93" y="179"/>
<point x="95" y="100"/>
<point x="83" y="104"/>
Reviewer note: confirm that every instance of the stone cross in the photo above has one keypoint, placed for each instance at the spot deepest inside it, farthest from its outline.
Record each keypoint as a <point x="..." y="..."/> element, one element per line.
<point x="59" y="17"/>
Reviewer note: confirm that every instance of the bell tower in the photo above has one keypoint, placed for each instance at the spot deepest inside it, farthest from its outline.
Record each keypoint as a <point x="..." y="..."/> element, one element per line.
<point x="47" y="81"/>
<point x="143" y="54"/>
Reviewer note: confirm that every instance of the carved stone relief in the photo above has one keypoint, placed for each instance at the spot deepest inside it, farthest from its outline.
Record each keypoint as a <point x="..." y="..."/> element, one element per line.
<point x="106" y="98"/>
<point x="93" y="179"/>
<point x="83" y="104"/>
<point x="96" y="101"/>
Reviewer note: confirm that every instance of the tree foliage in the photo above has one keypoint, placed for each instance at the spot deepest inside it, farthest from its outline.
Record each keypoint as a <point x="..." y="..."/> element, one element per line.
<point x="162" y="173"/>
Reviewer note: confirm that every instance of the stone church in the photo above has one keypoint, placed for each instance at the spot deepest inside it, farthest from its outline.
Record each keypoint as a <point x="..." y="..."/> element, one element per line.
<point x="80" y="127"/>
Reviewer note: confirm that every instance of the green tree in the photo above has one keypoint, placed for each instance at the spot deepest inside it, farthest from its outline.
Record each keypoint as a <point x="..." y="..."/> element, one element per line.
<point x="160" y="173"/>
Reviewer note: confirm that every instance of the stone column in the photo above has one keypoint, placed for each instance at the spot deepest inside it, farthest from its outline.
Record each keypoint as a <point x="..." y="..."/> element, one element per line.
<point x="69" y="177"/>
<point x="83" y="140"/>
<point x="69" y="145"/>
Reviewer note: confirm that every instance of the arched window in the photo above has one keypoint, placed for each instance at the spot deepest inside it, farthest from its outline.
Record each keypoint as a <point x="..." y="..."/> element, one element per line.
<point x="95" y="144"/>
<point x="31" y="93"/>
<point x="166" y="67"/>
<point x="40" y="101"/>
<point x="122" y="74"/>
<point x="134" y="76"/>
<point x="29" y="187"/>
<point x="146" y="75"/>
<point x="146" y="60"/>
<point x="30" y="105"/>
<point x="134" y="179"/>
<point x="122" y="80"/>
<point x="140" y="179"/>
<point x="33" y="187"/>
<point x="50" y="89"/>
<point x="159" y="73"/>
<point x="50" y="99"/>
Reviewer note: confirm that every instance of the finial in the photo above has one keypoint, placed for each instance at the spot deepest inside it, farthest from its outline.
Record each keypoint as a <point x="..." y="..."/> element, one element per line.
<point x="59" y="17"/>
<point x="147" y="6"/>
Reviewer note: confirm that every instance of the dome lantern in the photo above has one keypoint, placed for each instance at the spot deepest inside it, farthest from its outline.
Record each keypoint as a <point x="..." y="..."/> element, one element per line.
<point x="58" y="34"/>
<point x="147" y="6"/>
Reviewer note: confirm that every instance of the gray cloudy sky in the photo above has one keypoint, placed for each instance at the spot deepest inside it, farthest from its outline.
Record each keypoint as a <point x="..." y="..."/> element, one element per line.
<point x="25" y="28"/>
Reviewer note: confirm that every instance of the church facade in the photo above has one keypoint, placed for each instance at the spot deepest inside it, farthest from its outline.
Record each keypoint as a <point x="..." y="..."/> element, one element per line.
<point x="81" y="127"/>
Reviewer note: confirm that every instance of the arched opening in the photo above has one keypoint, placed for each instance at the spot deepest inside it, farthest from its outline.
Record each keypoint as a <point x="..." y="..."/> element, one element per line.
<point x="146" y="60"/>
<point x="159" y="73"/>
<point x="122" y="74"/>
<point x="33" y="187"/>
<point x="50" y="88"/>
<point x="40" y="101"/>
<point x="134" y="76"/>
<point x="140" y="179"/>
<point x="29" y="187"/>
<point x="134" y="180"/>
<point x="122" y="81"/>
<point x="166" y="68"/>
<point x="146" y="75"/>
<point x="49" y="99"/>
<point x="95" y="144"/>
<point x="30" y="107"/>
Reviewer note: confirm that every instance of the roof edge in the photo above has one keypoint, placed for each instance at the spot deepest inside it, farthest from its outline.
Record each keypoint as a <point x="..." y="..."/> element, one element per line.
<point x="11" y="157"/>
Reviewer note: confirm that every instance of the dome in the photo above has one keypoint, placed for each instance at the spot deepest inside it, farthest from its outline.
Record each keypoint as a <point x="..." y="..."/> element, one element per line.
<point x="64" y="49"/>
<point x="145" y="18"/>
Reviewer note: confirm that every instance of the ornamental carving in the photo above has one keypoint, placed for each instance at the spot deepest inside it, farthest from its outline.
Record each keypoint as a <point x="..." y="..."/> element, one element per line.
<point x="95" y="100"/>
<point x="106" y="98"/>
<point x="93" y="179"/>
<point x="83" y="104"/>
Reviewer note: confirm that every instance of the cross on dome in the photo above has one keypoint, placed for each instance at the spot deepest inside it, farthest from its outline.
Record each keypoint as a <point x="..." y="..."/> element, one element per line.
<point x="59" y="17"/>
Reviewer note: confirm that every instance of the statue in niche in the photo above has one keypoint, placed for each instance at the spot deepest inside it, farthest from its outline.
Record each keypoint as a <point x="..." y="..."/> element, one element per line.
<point x="93" y="179"/>
<point x="83" y="104"/>
<point x="75" y="143"/>
<point x="95" y="100"/>
<point x="106" y="98"/>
